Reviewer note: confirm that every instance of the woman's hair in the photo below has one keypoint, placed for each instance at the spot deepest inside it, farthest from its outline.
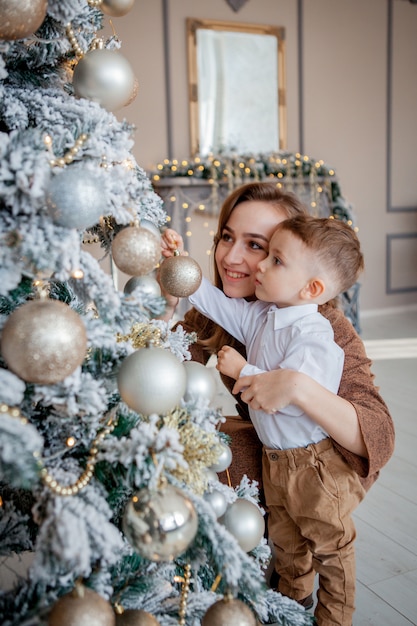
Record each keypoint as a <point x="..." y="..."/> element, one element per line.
<point x="215" y="336"/>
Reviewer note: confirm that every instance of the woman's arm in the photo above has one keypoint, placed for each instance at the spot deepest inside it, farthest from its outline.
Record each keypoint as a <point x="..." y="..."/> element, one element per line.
<point x="274" y="390"/>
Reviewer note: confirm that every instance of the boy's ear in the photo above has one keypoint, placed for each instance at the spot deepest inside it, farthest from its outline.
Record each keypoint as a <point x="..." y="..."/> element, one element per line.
<point x="314" y="289"/>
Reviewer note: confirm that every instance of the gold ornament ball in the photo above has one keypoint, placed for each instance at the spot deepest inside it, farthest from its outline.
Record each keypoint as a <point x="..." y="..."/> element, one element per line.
<point x="229" y="611"/>
<point x="180" y="276"/>
<point x="133" y="617"/>
<point x="21" y="18"/>
<point x="44" y="341"/>
<point x="136" y="251"/>
<point x="160" y="524"/>
<point x="82" y="607"/>
<point x="116" y="8"/>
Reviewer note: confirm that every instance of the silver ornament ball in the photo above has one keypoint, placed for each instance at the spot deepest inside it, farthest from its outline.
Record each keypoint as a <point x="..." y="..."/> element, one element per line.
<point x="144" y="223"/>
<point x="104" y="76"/>
<point x="217" y="501"/>
<point x="151" y="380"/>
<point x="229" y="611"/>
<point x="147" y="284"/>
<point x="43" y="341"/>
<point x="82" y="607"/>
<point x="21" y="18"/>
<point x="136" y="251"/>
<point x="116" y="8"/>
<point x="136" y="617"/>
<point x="76" y="198"/>
<point x="160" y="524"/>
<point x="200" y="382"/>
<point x="224" y="460"/>
<point x="180" y="276"/>
<point x="245" y="522"/>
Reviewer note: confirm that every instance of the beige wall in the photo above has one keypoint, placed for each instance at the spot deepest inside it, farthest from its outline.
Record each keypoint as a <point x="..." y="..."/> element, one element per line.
<point x="344" y="113"/>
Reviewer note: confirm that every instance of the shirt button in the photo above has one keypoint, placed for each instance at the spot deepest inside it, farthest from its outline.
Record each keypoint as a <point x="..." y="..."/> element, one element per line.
<point x="273" y="456"/>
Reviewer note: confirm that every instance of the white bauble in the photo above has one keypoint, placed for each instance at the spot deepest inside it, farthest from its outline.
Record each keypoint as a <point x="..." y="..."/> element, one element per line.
<point x="245" y="522"/>
<point x="152" y="380"/>
<point x="200" y="381"/>
<point x="224" y="460"/>
<point x="217" y="501"/>
<point x="104" y="76"/>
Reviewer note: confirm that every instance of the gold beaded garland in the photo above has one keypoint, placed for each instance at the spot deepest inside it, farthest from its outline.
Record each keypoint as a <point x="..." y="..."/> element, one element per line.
<point x="184" y="595"/>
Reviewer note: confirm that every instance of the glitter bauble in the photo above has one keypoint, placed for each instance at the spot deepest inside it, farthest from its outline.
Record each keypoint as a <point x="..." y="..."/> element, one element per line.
<point x="200" y="382"/>
<point x="160" y="524"/>
<point x="106" y="77"/>
<point x="217" y="500"/>
<point x="116" y="8"/>
<point x="133" y="617"/>
<point x="82" y="607"/>
<point x="245" y="522"/>
<point x="76" y="198"/>
<point x="152" y="380"/>
<point x="136" y="251"/>
<point x="44" y="341"/>
<point x="224" y="460"/>
<point x="21" y="18"/>
<point x="180" y="276"/>
<point x="229" y="611"/>
<point x="147" y="284"/>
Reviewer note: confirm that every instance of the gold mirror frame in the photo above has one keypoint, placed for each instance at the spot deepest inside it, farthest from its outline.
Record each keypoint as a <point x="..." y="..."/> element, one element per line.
<point x="193" y="25"/>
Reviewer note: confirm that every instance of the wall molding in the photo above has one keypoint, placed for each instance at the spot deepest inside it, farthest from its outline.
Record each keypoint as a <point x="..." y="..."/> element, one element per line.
<point x="390" y="238"/>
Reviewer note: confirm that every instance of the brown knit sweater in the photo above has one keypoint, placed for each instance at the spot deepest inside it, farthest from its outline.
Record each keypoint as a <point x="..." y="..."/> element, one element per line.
<point x="357" y="386"/>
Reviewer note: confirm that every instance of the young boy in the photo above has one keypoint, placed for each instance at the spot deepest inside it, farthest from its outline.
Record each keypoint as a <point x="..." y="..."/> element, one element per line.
<point x="310" y="490"/>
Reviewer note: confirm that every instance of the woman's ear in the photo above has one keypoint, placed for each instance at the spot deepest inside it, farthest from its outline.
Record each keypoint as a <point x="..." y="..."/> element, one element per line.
<point x="314" y="289"/>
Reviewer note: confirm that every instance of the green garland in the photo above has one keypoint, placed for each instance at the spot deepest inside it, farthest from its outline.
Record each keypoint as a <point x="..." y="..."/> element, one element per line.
<point x="287" y="168"/>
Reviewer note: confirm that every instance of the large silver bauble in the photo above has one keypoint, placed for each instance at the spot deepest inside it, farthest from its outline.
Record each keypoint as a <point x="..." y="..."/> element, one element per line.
<point x="160" y="524"/>
<point x="146" y="283"/>
<point x="136" y="617"/>
<point x="217" y="501"/>
<point x="104" y="76"/>
<point x="226" y="612"/>
<point x="152" y="380"/>
<point x="180" y="276"/>
<point x="245" y="522"/>
<point x="21" y="18"/>
<point x="136" y="251"/>
<point x="44" y="341"/>
<point x="76" y="198"/>
<point x="116" y="8"/>
<point x="82" y="608"/>
<point x="224" y="460"/>
<point x="200" y="382"/>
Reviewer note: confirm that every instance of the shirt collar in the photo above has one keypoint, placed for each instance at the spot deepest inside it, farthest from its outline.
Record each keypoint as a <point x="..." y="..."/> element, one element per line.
<point x="288" y="315"/>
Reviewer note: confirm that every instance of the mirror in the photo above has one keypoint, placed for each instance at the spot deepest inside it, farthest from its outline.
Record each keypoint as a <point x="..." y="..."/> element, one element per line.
<point x="236" y="87"/>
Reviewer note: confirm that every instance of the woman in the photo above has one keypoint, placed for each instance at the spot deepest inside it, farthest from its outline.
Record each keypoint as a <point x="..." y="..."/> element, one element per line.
<point x="363" y="431"/>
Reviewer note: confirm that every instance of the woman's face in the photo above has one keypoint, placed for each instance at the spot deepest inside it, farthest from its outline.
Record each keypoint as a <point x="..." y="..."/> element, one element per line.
<point x="243" y="243"/>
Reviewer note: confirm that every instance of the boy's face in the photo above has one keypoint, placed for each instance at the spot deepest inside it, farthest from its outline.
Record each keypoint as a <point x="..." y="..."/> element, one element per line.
<point x="288" y="268"/>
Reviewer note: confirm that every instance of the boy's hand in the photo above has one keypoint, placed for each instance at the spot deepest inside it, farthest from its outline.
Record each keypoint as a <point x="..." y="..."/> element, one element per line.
<point x="230" y="362"/>
<point x="171" y="241"/>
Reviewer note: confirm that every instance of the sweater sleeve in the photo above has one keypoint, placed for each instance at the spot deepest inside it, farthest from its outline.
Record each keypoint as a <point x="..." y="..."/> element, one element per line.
<point x="358" y="387"/>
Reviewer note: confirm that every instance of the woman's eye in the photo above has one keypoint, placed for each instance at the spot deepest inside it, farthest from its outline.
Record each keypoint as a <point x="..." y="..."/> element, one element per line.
<point x="256" y="246"/>
<point x="226" y="237"/>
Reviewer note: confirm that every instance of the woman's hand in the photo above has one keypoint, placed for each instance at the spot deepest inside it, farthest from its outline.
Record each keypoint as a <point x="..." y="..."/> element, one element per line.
<point x="230" y="362"/>
<point x="170" y="242"/>
<point x="273" y="391"/>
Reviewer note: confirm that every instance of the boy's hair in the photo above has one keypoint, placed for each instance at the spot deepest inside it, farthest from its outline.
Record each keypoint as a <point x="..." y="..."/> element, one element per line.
<point x="335" y="245"/>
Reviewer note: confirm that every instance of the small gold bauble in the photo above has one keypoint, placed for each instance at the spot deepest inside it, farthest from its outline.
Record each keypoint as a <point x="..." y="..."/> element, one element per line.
<point x="136" y="251"/>
<point x="132" y="617"/>
<point x="180" y="276"/>
<point x="116" y="8"/>
<point x="21" y="18"/>
<point x="82" y="607"/>
<point x="44" y="341"/>
<point x="229" y="611"/>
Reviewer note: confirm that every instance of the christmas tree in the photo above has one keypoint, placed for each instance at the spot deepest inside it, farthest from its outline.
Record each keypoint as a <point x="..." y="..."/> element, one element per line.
<point x="109" y="445"/>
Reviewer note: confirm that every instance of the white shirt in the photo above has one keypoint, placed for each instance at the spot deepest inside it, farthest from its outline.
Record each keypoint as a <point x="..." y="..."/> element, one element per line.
<point x="297" y="338"/>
